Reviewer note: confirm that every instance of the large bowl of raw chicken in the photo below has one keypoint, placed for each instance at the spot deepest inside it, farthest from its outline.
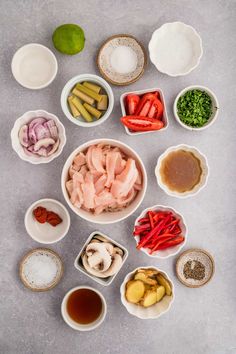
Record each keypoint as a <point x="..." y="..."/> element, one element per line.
<point x="104" y="181"/>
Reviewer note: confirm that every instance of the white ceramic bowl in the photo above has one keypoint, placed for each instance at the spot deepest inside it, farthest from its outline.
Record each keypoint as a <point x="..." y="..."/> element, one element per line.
<point x="79" y="265"/>
<point x="34" y="66"/>
<point x="172" y="251"/>
<point x="75" y="325"/>
<point x="175" y="49"/>
<point x="92" y="78"/>
<point x="45" y="233"/>
<point x="215" y="107"/>
<point x="26" y="118"/>
<point x="153" y="311"/>
<point x="109" y="217"/>
<point x="139" y="93"/>
<point x="204" y="176"/>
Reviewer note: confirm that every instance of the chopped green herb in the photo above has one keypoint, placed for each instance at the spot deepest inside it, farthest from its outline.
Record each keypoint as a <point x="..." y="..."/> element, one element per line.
<point x="194" y="108"/>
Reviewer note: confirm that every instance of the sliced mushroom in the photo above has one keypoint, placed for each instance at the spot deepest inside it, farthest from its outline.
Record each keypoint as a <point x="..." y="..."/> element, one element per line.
<point x="113" y="269"/>
<point x="118" y="251"/>
<point x="98" y="256"/>
<point x="100" y="238"/>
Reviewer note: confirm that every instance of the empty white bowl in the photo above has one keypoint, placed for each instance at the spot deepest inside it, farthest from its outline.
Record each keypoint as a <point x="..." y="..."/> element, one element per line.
<point x="175" y="49"/>
<point x="34" y="66"/>
<point x="172" y="251"/>
<point x="94" y="79"/>
<point x="215" y="107"/>
<point x="140" y="93"/>
<point x="83" y="327"/>
<point x="79" y="265"/>
<point x="106" y="217"/>
<point x="25" y="119"/>
<point x="153" y="311"/>
<point x="46" y="233"/>
<point x="204" y="176"/>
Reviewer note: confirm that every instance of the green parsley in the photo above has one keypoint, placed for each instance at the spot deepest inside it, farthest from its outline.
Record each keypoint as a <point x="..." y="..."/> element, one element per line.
<point x="194" y="108"/>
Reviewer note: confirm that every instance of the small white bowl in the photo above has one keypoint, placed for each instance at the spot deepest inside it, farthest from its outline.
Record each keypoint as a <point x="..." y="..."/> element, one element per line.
<point x="153" y="311"/>
<point x="79" y="265"/>
<point x="25" y="119"/>
<point x="91" y="78"/>
<point x="75" y="325"/>
<point x="169" y="252"/>
<point x="34" y="66"/>
<point x="139" y="93"/>
<point x="175" y="49"/>
<point x="45" y="233"/>
<point x="215" y="107"/>
<point x="204" y="176"/>
<point x="106" y="217"/>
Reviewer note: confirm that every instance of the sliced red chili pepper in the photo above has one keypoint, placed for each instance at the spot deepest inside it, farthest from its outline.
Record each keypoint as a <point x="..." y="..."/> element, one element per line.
<point x="156" y="110"/>
<point x="138" y="123"/>
<point x="132" y="101"/>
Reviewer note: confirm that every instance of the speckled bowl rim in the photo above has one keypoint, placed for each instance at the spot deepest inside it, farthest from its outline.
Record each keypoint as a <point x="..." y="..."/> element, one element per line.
<point x="103" y="73"/>
<point x="57" y="279"/>
<point x="197" y="250"/>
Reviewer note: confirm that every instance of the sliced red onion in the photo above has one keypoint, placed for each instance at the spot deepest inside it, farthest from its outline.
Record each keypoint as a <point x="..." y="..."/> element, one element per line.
<point x="23" y="136"/>
<point x="43" y="143"/>
<point x="41" y="131"/>
<point x="54" y="148"/>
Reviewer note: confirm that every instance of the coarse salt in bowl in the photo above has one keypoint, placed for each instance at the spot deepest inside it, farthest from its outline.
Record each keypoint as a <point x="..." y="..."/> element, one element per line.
<point x="168" y="252"/>
<point x="105" y="217"/>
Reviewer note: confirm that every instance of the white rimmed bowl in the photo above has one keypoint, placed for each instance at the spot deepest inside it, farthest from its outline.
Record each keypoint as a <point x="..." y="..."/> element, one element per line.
<point x="94" y="79"/>
<point x="172" y="251"/>
<point x="34" y="66"/>
<point x="175" y="49"/>
<point x="204" y="175"/>
<point x="25" y="119"/>
<point x="83" y="327"/>
<point x="153" y="311"/>
<point x="45" y="233"/>
<point x="215" y="107"/>
<point x="79" y="265"/>
<point x="140" y="93"/>
<point x="106" y="217"/>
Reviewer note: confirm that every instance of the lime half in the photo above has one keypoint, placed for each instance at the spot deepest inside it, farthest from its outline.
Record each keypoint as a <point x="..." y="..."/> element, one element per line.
<point x="68" y="39"/>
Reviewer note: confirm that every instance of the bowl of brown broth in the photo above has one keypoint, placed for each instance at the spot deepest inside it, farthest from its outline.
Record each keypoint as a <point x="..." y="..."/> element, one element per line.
<point x="83" y="308"/>
<point x="182" y="171"/>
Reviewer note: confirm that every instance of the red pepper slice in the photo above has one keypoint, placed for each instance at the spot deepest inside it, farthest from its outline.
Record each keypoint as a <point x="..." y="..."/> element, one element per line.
<point x="151" y="219"/>
<point x="171" y="243"/>
<point x="141" y="124"/>
<point x="156" y="110"/>
<point x="132" y="101"/>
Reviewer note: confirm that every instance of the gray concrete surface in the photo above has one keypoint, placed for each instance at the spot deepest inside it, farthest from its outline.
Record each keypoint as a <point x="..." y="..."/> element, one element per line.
<point x="201" y="320"/>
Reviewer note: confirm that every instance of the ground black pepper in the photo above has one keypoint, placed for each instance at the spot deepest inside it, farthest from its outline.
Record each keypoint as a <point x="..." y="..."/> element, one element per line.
<point x="194" y="270"/>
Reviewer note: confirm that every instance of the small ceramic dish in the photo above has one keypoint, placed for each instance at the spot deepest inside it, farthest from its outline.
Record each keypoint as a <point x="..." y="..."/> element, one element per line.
<point x="26" y="118"/>
<point x="175" y="49"/>
<point x="105" y="217"/>
<point x="154" y="311"/>
<point x="204" y="176"/>
<point x="93" y="79"/>
<point x="140" y="93"/>
<point x="215" y="107"/>
<point x="104" y="63"/>
<point x="79" y="265"/>
<point x="172" y="251"/>
<point x="34" y="66"/>
<point x="75" y="325"/>
<point x="29" y="270"/>
<point x="192" y="256"/>
<point x="45" y="233"/>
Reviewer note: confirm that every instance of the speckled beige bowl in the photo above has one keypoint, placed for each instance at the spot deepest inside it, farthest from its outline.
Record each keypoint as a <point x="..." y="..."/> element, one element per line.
<point x="103" y="59"/>
<point x="195" y="254"/>
<point x="153" y="311"/>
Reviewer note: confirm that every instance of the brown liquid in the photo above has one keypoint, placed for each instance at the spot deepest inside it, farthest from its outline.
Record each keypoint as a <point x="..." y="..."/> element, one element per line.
<point x="181" y="171"/>
<point x="84" y="306"/>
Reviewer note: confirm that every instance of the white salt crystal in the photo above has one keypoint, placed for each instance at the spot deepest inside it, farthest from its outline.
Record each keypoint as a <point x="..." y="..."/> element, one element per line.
<point x="123" y="59"/>
<point x="40" y="269"/>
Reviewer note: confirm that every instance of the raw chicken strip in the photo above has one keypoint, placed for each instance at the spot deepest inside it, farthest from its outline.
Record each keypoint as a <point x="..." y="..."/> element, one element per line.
<point x="97" y="159"/>
<point x="79" y="160"/>
<point x="111" y="161"/>
<point x="125" y="181"/>
<point x="88" y="190"/>
<point x="100" y="184"/>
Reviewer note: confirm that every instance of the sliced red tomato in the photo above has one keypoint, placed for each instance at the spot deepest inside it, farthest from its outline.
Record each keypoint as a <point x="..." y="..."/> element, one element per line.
<point x="156" y="109"/>
<point x="132" y="103"/>
<point x="145" y="104"/>
<point x="141" y="124"/>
